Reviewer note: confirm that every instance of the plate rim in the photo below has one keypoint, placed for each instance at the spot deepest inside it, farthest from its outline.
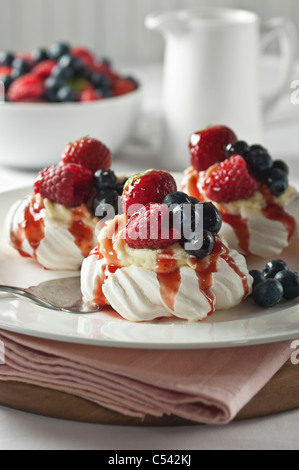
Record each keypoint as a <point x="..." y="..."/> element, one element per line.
<point x="251" y="340"/>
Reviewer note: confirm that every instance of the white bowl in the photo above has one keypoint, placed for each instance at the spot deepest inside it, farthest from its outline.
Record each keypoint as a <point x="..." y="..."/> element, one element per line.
<point x="34" y="135"/>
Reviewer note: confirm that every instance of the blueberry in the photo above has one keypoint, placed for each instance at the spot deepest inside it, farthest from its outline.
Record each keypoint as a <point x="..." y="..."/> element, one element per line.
<point x="206" y="248"/>
<point x="51" y="95"/>
<point x="105" y="204"/>
<point x="194" y="201"/>
<point x="185" y="218"/>
<point x="277" y="182"/>
<point x="268" y="293"/>
<point x="105" y="91"/>
<point x="176" y="198"/>
<point x="6" y="58"/>
<point x="258" y="276"/>
<point x="62" y="73"/>
<point x="290" y="283"/>
<point x="58" y="49"/>
<point x="238" y="148"/>
<point x="259" y="161"/>
<point x="105" y="179"/>
<point x="70" y="63"/>
<point x="20" y="67"/>
<point x="67" y="94"/>
<point x="84" y="72"/>
<point x="212" y="220"/>
<point x="6" y="81"/>
<point x="255" y="147"/>
<point x="106" y="61"/>
<point x="273" y="267"/>
<point x="39" y="55"/>
<point x="281" y="165"/>
<point x="97" y="79"/>
<point x="52" y="85"/>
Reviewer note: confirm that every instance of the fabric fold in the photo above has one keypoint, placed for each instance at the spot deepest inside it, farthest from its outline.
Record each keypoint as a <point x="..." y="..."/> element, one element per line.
<point x="207" y="386"/>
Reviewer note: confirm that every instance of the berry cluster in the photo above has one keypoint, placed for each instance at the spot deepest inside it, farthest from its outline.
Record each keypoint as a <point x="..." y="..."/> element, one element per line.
<point x="200" y="240"/>
<point x="60" y="73"/>
<point x="273" y="174"/>
<point x="83" y="174"/>
<point x="167" y="215"/>
<point x="274" y="283"/>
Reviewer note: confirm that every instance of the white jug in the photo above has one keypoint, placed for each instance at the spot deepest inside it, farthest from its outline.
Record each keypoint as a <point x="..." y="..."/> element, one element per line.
<point x="211" y="73"/>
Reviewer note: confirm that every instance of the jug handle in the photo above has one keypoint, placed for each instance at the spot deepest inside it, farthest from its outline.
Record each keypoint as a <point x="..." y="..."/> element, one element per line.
<point x="286" y="33"/>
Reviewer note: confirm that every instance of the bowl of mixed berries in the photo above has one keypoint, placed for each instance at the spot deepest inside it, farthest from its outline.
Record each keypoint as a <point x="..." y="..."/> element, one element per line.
<point x="50" y="94"/>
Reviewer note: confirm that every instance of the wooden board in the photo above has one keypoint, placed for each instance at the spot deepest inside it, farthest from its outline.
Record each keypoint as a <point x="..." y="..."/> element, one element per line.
<point x="279" y="395"/>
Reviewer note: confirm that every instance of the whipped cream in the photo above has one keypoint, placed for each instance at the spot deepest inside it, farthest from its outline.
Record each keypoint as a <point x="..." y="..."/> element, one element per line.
<point x="143" y="285"/>
<point x="57" y="237"/>
<point x="260" y="225"/>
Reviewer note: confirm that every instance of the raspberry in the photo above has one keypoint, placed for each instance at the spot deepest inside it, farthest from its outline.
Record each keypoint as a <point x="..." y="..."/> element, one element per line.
<point x="25" y="87"/>
<point x="90" y="95"/>
<point x="229" y="181"/>
<point x="150" y="228"/>
<point x="88" y="152"/>
<point x="44" y="68"/>
<point x="69" y="185"/>
<point x="143" y="188"/>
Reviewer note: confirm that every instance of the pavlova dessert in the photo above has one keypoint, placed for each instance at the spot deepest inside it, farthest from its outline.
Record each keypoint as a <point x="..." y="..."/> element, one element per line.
<point x="163" y="256"/>
<point x="259" y="208"/>
<point x="56" y="223"/>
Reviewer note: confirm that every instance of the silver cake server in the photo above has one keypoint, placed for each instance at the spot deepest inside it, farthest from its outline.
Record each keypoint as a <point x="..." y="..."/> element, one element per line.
<point x="57" y="294"/>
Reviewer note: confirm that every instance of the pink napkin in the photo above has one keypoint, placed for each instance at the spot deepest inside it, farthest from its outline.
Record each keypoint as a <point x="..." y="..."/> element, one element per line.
<point x="205" y="386"/>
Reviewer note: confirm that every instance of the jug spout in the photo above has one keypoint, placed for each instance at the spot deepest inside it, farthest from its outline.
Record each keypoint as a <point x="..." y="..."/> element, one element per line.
<point x="175" y="22"/>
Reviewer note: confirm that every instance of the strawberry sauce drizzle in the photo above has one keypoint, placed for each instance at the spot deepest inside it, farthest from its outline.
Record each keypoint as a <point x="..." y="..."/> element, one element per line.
<point x="241" y="229"/>
<point x="190" y="185"/>
<point x="274" y="211"/>
<point x="82" y="233"/>
<point x="169" y="277"/>
<point x="233" y="266"/>
<point x="31" y="229"/>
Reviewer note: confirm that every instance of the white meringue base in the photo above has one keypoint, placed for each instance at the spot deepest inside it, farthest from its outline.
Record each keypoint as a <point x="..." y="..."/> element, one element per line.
<point x="135" y="292"/>
<point x="58" y="249"/>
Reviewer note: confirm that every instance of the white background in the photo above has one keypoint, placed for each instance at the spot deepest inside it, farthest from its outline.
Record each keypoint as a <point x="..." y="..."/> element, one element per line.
<point x="113" y="28"/>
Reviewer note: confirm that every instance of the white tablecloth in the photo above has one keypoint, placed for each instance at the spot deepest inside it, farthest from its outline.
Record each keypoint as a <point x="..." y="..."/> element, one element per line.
<point x="20" y="430"/>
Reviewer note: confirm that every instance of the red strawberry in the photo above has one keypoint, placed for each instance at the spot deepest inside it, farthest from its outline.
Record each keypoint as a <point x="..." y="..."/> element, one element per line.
<point x="150" y="228"/>
<point x="69" y="185"/>
<point x="25" y="87"/>
<point x="122" y="86"/>
<point x="88" y="152"/>
<point x="84" y="54"/>
<point x="43" y="69"/>
<point x="90" y="95"/>
<point x="143" y="188"/>
<point x="207" y="146"/>
<point x="229" y="181"/>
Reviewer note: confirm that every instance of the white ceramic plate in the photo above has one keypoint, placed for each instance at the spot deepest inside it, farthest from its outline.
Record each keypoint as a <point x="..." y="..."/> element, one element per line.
<point x="244" y="325"/>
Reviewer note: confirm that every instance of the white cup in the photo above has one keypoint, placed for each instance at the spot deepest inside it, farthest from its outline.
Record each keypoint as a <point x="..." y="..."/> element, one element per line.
<point x="212" y="73"/>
